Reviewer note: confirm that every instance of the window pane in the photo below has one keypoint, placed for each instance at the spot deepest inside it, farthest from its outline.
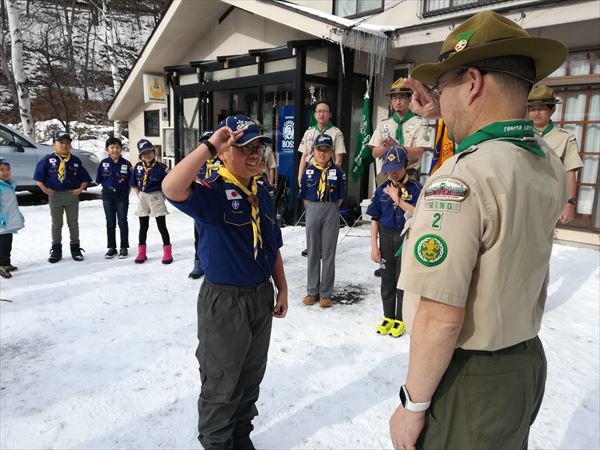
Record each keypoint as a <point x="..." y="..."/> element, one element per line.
<point x="574" y="129"/>
<point x="594" y="109"/>
<point x="575" y="106"/>
<point x="369" y="5"/>
<point x="586" y="200"/>
<point x="579" y="64"/>
<point x="592" y="138"/>
<point x="595" y="58"/>
<point x="434" y="5"/>
<point x="589" y="172"/>
<point x="344" y="8"/>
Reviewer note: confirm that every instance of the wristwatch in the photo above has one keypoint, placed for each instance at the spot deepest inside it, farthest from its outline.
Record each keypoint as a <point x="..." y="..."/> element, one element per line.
<point x="409" y="405"/>
<point x="572" y="201"/>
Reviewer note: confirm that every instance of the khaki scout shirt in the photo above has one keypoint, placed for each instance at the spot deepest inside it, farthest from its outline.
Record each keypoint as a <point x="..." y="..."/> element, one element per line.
<point x="481" y="238"/>
<point x="564" y="145"/>
<point x="306" y="144"/>
<point x="416" y="134"/>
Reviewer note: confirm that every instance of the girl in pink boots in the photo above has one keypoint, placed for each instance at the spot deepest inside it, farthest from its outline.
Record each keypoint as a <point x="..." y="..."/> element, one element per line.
<point x="146" y="179"/>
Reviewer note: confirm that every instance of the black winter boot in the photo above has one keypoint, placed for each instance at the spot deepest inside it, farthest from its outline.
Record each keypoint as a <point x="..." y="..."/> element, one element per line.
<point x="55" y="253"/>
<point x="76" y="252"/>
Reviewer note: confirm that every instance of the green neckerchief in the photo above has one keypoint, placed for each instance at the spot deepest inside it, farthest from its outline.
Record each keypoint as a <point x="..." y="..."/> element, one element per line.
<point x="399" y="121"/>
<point x="327" y="127"/>
<point x="518" y="132"/>
<point x="546" y="130"/>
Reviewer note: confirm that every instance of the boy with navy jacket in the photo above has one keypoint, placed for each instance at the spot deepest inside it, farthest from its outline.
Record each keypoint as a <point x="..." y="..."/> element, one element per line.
<point x="62" y="177"/>
<point x="390" y="201"/>
<point x="323" y="188"/>
<point x="114" y="174"/>
<point x="239" y="243"/>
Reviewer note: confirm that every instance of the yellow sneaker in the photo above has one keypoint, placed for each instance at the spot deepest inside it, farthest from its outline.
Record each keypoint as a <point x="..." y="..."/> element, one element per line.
<point x="398" y="329"/>
<point x="385" y="326"/>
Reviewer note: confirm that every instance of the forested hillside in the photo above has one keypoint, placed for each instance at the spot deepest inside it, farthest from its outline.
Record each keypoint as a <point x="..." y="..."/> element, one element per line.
<point x="76" y="53"/>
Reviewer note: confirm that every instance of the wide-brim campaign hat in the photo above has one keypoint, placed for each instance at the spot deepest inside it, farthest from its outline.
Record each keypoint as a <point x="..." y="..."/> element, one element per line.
<point x="399" y="87"/>
<point x="488" y="34"/>
<point x="542" y="95"/>
<point x="251" y="130"/>
<point x="395" y="158"/>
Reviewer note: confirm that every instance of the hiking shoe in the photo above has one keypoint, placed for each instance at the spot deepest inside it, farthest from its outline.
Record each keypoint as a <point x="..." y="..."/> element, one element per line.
<point x="197" y="271"/>
<point x="4" y="272"/>
<point x="55" y="253"/>
<point x="398" y="329"/>
<point x="123" y="253"/>
<point x="305" y="252"/>
<point x="12" y="268"/>
<point x="325" y="302"/>
<point x="309" y="300"/>
<point x="377" y="273"/>
<point x="76" y="252"/>
<point x="111" y="253"/>
<point x="385" y="326"/>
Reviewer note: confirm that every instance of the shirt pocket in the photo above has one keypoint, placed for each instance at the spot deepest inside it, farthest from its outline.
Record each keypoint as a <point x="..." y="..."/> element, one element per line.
<point x="237" y="218"/>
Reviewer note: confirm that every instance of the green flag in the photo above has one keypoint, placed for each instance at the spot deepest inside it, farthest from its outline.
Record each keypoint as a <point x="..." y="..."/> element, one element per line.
<point x="362" y="155"/>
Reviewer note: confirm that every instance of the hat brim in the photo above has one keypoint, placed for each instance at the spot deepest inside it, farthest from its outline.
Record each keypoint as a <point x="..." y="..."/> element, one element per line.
<point x="400" y="91"/>
<point x="328" y="147"/>
<point x="246" y="138"/>
<point x="147" y="150"/>
<point x="392" y="167"/>
<point x="542" y="102"/>
<point x="547" y="55"/>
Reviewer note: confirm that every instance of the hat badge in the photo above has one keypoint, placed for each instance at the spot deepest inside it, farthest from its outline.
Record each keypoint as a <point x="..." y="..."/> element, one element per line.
<point x="391" y="157"/>
<point x="463" y="40"/>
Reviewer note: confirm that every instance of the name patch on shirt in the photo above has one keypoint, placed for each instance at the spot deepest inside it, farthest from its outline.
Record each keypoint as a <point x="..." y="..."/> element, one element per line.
<point x="448" y="189"/>
<point x="440" y="205"/>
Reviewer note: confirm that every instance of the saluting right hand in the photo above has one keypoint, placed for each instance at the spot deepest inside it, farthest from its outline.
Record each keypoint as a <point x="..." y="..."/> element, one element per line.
<point x="224" y="137"/>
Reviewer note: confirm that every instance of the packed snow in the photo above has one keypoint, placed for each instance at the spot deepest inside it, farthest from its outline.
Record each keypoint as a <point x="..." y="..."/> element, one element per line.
<point x="99" y="354"/>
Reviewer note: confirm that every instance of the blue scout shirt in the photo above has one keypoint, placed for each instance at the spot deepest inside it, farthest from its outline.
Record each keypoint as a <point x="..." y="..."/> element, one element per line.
<point x="46" y="171"/>
<point x="114" y="175"/>
<point x="226" y="241"/>
<point x="383" y="209"/>
<point x="155" y="177"/>
<point x="334" y="191"/>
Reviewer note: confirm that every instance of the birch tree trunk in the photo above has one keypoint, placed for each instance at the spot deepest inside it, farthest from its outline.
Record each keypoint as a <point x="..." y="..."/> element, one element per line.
<point x="112" y="56"/>
<point x="14" y="25"/>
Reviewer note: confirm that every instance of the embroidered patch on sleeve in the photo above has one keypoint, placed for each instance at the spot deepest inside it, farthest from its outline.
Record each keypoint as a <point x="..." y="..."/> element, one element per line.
<point x="430" y="250"/>
<point x="447" y="189"/>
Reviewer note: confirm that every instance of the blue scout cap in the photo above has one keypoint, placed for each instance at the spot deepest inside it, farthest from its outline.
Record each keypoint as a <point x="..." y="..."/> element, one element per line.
<point x="395" y="158"/>
<point x="4" y="161"/>
<point x="57" y="135"/>
<point x="144" y="145"/>
<point x="323" y="140"/>
<point x="251" y="129"/>
<point x="206" y="135"/>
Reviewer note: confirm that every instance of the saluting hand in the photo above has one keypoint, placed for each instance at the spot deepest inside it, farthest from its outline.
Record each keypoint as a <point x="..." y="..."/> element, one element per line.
<point x="422" y="103"/>
<point x="224" y="137"/>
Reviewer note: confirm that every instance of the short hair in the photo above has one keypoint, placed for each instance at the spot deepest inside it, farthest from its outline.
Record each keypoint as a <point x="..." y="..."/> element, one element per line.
<point x="324" y="102"/>
<point x="514" y="73"/>
<point x="113" y="141"/>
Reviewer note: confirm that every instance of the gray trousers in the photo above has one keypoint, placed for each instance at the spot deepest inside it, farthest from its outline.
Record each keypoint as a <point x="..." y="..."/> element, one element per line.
<point x="234" y="331"/>
<point x="391" y="297"/>
<point x="322" y="229"/>
<point x="487" y="400"/>
<point x="64" y="203"/>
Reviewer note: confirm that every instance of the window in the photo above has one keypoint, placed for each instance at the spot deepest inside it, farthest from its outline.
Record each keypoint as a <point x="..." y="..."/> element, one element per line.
<point x="356" y="8"/>
<point x="437" y="7"/>
<point x="151" y="123"/>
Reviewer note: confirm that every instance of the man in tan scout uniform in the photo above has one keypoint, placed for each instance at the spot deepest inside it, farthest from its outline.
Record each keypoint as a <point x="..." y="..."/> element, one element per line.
<point x="476" y="254"/>
<point x="401" y="128"/>
<point x="541" y="104"/>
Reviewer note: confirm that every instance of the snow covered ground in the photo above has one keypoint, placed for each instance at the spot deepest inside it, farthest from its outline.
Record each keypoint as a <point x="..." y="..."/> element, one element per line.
<point x="99" y="354"/>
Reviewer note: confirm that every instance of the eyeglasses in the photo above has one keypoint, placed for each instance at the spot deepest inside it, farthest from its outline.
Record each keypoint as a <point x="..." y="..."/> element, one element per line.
<point x="436" y="91"/>
<point x="250" y="149"/>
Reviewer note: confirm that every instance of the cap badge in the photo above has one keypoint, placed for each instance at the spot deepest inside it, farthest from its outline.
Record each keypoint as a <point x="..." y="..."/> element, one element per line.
<point x="463" y="40"/>
<point x="391" y="157"/>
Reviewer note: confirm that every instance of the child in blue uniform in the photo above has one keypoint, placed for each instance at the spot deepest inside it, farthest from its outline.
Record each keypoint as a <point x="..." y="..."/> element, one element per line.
<point x="114" y="174"/>
<point x="390" y="201"/>
<point x="11" y="219"/>
<point x="146" y="180"/>
<point x="323" y="188"/>
<point x="239" y="243"/>
<point x="62" y="177"/>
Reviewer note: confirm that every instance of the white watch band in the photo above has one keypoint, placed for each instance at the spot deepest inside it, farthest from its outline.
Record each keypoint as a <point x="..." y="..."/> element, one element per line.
<point x="409" y="405"/>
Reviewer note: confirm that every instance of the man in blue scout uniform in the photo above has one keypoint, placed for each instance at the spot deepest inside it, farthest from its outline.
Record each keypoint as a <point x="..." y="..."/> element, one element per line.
<point x="62" y="177"/>
<point x="477" y="250"/>
<point x="113" y="174"/>
<point x="323" y="188"/>
<point x="390" y="201"/>
<point x="240" y="241"/>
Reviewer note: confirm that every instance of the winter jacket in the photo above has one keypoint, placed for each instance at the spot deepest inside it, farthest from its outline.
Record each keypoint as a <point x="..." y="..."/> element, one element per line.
<point x="11" y="219"/>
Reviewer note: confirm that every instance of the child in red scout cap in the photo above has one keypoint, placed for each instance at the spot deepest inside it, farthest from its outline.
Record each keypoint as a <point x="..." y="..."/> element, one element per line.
<point x="323" y="188"/>
<point x="396" y="196"/>
<point x="239" y="243"/>
<point x="146" y="180"/>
